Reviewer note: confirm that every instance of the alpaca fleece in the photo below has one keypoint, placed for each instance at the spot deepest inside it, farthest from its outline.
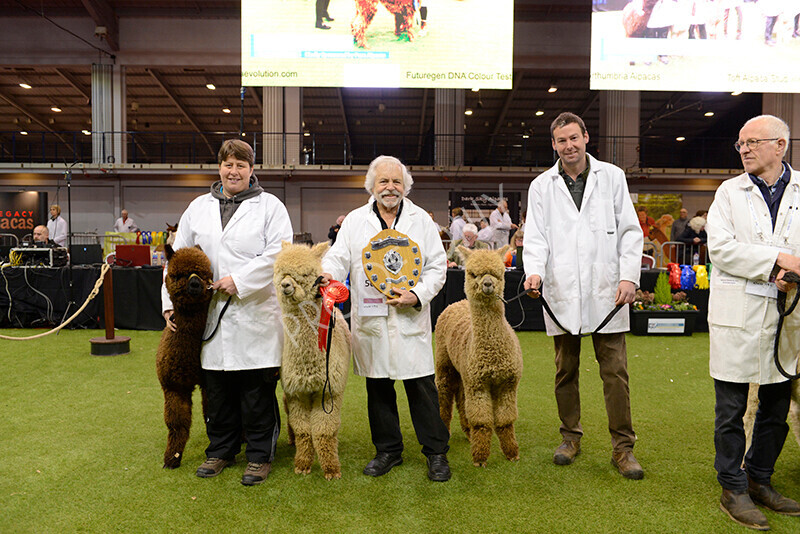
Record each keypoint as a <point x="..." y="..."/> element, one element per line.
<point x="479" y="359"/>
<point x="178" y="354"/>
<point x="365" y="12"/>
<point x="303" y="375"/>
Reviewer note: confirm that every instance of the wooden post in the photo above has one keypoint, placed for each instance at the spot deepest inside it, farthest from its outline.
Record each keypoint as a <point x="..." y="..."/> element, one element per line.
<point x="111" y="344"/>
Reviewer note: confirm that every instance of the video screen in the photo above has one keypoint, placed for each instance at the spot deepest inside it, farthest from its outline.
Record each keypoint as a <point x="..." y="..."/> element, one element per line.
<point x="696" y="45"/>
<point x="441" y="44"/>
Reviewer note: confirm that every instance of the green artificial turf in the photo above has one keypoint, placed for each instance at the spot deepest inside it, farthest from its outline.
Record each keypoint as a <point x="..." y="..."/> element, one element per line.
<point x="81" y="441"/>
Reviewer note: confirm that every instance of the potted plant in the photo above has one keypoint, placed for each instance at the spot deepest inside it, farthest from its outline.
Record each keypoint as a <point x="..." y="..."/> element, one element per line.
<point x="662" y="312"/>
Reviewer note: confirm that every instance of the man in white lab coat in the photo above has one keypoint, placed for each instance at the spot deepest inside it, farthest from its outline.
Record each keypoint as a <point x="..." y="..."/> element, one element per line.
<point x="240" y="227"/>
<point x="392" y="337"/>
<point x="584" y="243"/>
<point x="501" y="224"/>
<point x="753" y="238"/>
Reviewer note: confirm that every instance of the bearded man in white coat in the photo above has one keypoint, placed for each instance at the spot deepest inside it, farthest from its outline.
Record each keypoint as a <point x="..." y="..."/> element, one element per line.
<point x="240" y="227"/>
<point x="584" y="242"/>
<point x="753" y="238"/>
<point x="392" y="337"/>
<point x="501" y="224"/>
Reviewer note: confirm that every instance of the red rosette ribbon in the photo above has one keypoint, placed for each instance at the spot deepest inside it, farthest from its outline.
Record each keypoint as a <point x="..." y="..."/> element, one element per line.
<point x="334" y="293"/>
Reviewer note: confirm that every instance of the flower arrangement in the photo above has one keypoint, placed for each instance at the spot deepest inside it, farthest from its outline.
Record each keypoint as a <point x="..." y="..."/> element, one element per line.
<point x="662" y="298"/>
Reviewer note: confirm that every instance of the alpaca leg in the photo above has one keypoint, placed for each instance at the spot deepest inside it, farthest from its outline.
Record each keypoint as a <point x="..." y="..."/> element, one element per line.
<point x="325" y="432"/>
<point x="505" y="413"/>
<point x="794" y="410"/>
<point x="408" y="23"/>
<point x="365" y="11"/>
<point x="299" y="410"/>
<point x="750" y="415"/>
<point x="462" y="410"/>
<point x="447" y="383"/>
<point x="289" y="429"/>
<point x="178" y="418"/>
<point x="478" y="404"/>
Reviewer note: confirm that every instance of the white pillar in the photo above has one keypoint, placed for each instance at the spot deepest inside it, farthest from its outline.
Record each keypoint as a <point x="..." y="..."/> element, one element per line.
<point x="449" y="127"/>
<point x="787" y="107"/>
<point x="119" y="114"/>
<point x="619" y="128"/>
<point x="102" y="113"/>
<point x="283" y="125"/>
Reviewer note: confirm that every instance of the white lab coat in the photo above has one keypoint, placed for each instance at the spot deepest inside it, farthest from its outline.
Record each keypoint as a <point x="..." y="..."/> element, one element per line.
<point x="501" y="227"/>
<point x="741" y="325"/>
<point x="397" y="346"/>
<point x="128" y="225"/>
<point x="57" y="228"/>
<point x="250" y="335"/>
<point x="457" y="228"/>
<point x="583" y="255"/>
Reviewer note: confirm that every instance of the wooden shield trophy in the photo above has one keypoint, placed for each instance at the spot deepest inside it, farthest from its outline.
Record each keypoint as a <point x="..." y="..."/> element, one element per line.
<point x="392" y="260"/>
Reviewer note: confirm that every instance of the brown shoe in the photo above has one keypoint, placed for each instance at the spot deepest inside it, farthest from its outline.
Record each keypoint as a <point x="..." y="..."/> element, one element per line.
<point x="741" y="509"/>
<point x="212" y="467"/>
<point x="566" y="452"/>
<point x="255" y="473"/>
<point x="627" y="465"/>
<point x="765" y="495"/>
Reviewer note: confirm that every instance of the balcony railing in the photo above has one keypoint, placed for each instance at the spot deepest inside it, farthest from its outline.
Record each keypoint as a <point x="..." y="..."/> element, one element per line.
<point x="332" y="149"/>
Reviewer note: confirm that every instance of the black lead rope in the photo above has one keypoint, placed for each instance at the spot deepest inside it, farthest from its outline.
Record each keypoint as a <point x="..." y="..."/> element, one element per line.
<point x="553" y="316"/>
<point x="791" y="278"/>
<point x="219" y="319"/>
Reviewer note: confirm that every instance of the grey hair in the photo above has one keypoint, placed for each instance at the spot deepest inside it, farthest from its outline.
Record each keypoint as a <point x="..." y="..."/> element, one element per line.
<point x="469" y="227"/>
<point x="697" y="224"/>
<point x="776" y="127"/>
<point x="369" y="182"/>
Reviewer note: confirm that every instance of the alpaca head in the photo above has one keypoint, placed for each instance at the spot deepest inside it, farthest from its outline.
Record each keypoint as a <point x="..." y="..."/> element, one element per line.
<point x="484" y="278"/>
<point x="188" y="275"/>
<point x="297" y="268"/>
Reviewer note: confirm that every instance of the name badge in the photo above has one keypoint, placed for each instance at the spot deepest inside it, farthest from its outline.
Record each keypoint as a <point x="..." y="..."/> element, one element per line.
<point x="374" y="307"/>
<point x="761" y="289"/>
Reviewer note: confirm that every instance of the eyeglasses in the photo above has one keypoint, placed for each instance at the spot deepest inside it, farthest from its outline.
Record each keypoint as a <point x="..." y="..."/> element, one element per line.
<point x="752" y="144"/>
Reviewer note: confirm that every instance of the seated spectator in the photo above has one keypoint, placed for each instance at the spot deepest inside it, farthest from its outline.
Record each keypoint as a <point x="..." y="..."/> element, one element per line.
<point x="125" y="223"/>
<point x="694" y="236"/>
<point x="470" y="240"/>
<point x="511" y="255"/>
<point x="333" y="233"/>
<point x="41" y="237"/>
<point x="485" y="233"/>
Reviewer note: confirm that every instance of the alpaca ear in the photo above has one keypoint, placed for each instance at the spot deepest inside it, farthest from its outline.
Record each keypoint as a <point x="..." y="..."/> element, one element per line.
<point x="285" y="244"/>
<point x="502" y="250"/>
<point x="198" y="247"/>
<point x="464" y="251"/>
<point x="168" y="250"/>
<point x="320" y="249"/>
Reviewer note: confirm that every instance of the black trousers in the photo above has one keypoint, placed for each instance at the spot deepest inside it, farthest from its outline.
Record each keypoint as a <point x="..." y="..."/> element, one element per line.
<point x="322" y="10"/>
<point x="769" y="432"/>
<point x="423" y="403"/>
<point x="242" y="402"/>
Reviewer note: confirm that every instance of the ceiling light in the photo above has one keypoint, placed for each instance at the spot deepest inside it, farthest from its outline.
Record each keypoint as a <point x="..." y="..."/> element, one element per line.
<point x="709" y="114"/>
<point x="56" y="109"/>
<point x="553" y="88"/>
<point x="475" y="89"/>
<point x="86" y="132"/>
<point x="306" y="134"/>
<point x="525" y="136"/>
<point x="210" y="86"/>
<point x="25" y="86"/>
<point x="539" y="113"/>
<point x="23" y="132"/>
<point x="468" y="111"/>
<point x="681" y="138"/>
<point x="226" y="110"/>
<point x="736" y="93"/>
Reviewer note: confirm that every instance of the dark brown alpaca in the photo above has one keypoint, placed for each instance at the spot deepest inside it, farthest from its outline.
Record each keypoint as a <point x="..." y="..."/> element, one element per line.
<point x="178" y="356"/>
<point x="403" y="11"/>
<point x="635" y="17"/>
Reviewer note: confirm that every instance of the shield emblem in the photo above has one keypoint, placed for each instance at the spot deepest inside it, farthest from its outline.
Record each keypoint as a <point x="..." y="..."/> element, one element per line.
<point x="391" y="260"/>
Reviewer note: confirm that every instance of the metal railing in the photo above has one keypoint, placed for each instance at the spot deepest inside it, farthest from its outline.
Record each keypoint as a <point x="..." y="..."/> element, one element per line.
<point x="520" y="150"/>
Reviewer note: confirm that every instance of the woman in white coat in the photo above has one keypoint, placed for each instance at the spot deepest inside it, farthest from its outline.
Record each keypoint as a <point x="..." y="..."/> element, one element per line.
<point x="240" y="227"/>
<point x="392" y="340"/>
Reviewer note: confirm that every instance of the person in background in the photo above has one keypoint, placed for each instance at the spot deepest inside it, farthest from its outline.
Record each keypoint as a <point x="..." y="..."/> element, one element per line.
<point x="392" y="337"/>
<point x="470" y="241"/>
<point x="334" y="230"/>
<point x="41" y="237"/>
<point x="457" y="224"/>
<point x="501" y="224"/>
<point x="516" y="242"/>
<point x="57" y="226"/>
<point x="587" y="265"/>
<point x="753" y="243"/>
<point x="125" y="223"/>
<point x="323" y="15"/>
<point x="486" y="233"/>
<point x="240" y="227"/>
<point x="679" y="225"/>
<point x="694" y="237"/>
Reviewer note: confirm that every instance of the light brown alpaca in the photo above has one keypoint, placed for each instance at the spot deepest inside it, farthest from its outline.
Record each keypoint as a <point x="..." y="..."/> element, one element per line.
<point x="303" y="369"/>
<point x="752" y="408"/>
<point x="479" y="359"/>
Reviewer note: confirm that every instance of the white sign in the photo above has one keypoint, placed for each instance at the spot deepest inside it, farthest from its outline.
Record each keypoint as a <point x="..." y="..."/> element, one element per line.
<point x="666" y="326"/>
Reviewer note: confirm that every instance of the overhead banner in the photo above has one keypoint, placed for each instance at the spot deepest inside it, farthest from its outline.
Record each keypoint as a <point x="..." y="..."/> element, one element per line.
<point x="455" y="44"/>
<point x="479" y="205"/>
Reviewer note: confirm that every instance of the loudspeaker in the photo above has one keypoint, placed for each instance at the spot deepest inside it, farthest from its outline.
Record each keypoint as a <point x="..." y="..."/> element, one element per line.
<point x="86" y="254"/>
